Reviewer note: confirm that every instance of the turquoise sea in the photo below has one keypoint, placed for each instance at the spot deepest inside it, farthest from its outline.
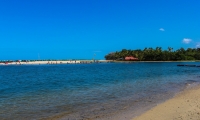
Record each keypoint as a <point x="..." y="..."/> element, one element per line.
<point x="89" y="91"/>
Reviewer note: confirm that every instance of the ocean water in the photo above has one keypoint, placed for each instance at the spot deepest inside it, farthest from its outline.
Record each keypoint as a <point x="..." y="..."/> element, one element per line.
<point x="88" y="91"/>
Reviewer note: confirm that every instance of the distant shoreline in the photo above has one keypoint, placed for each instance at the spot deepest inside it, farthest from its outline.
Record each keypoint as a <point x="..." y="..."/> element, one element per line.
<point x="53" y="62"/>
<point x="78" y="62"/>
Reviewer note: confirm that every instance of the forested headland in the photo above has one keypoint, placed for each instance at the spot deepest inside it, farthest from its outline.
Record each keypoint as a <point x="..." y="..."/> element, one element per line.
<point x="157" y="54"/>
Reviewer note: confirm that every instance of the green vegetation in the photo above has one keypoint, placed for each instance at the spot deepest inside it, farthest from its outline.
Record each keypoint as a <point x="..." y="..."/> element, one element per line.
<point x="157" y="54"/>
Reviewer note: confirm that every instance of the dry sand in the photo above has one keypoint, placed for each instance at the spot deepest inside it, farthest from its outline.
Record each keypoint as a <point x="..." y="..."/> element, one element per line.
<point x="41" y="62"/>
<point x="53" y="62"/>
<point x="184" y="106"/>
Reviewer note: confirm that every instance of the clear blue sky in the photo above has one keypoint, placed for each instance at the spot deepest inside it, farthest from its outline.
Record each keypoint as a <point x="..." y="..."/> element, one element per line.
<point x="65" y="29"/>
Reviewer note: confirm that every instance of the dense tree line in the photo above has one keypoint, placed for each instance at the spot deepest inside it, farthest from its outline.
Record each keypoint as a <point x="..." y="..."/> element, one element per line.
<point x="157" y="54"/>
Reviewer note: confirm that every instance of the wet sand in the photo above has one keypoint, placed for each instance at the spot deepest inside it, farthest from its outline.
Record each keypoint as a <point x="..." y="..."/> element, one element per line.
<point x="184" y="106"/>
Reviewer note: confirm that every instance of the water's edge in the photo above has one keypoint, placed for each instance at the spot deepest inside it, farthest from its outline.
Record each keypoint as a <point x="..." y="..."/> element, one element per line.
<point x="133" y="109"/>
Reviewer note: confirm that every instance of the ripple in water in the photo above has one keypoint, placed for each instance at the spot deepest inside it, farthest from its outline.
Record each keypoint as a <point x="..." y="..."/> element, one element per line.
<point x="88" y="91"/>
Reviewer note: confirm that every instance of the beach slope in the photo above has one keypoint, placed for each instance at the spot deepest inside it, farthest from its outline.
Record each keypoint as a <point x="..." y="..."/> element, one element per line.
<point x="184" y="106"/>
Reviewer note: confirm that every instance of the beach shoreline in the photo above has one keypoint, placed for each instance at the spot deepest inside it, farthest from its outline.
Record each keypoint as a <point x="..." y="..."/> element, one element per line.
<point x="172" y="108"/>
<point x="184" y="105"/>
<point x="133" y="114"/>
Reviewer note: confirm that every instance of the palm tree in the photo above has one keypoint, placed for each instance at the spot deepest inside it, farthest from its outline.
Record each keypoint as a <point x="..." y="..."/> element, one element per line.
<point x="170" y="49"/>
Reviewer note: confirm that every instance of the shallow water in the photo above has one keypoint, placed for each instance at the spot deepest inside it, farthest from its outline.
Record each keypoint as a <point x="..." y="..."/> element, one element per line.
<point x="88" y="91"/>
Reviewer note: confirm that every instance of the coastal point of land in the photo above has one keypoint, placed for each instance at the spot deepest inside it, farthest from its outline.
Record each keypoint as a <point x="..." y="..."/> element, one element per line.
<point x="38" y="62"/>
<point x="184" y="106"/>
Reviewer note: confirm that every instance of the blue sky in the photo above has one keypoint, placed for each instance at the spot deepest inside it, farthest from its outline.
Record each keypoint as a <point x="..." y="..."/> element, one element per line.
<point x="73" y="29"/>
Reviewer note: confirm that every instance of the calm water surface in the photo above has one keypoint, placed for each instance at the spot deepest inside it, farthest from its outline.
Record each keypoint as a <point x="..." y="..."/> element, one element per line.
<point x="83" y="91"/>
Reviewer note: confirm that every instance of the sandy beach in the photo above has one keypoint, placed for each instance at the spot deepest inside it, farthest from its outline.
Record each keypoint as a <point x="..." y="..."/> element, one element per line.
<point x="41" y="62"/>
<point x="184" y="106"/>
<point x="54" y="62"/>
